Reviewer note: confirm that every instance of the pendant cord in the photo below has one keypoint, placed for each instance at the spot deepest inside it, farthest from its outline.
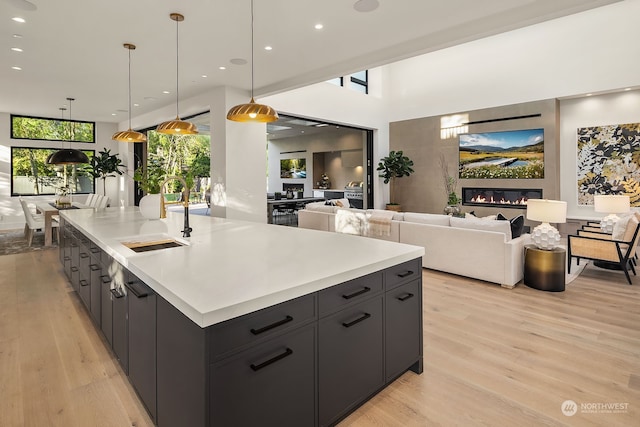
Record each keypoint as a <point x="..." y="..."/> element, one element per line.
<point x="252" y="82"/>
<point x="177" y="49"/>
<point x="129" y="49"/>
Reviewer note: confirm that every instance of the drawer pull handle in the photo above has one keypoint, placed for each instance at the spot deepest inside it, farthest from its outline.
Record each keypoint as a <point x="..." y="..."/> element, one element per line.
<point x="94" y="250"/>
<point x="84" y="282"/>
<point x="84" y="255"/>
<point x="405" y="297"/>
<point x="74" y="269"/>
<point x="358" y="320"/>
<point x="271" y="326"/>
<point x="137" y="289"/>
<point x="94" y="267"/>
<point x="67" y="258"/>
<point x="117" y="293"/>
<point x="405" y="274"/>
<point x="287" y="352"/>
<point x="355" y="294"/>
<point x="105" y="279"/>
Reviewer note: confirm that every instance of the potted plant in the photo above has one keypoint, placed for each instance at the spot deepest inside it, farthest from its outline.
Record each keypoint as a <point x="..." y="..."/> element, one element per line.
<point x="394" y="166"/>
<point x="150" y="179"/>
<point x="450" y="184"/>
<point x="105" y="165"/>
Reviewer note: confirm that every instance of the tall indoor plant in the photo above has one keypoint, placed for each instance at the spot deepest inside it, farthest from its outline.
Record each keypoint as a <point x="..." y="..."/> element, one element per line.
<point x="395" y="165"/>
<point x="104" y="165"/>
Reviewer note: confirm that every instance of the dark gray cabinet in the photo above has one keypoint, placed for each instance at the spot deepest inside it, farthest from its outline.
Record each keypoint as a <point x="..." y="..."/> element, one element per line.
<point x="142" y="341"/>
<point x="309" y="361"/>
<point x="351" y="368"/>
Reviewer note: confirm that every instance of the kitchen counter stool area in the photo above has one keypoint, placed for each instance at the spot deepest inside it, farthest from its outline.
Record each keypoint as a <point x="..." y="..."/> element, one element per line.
<point x="309" y="361"/>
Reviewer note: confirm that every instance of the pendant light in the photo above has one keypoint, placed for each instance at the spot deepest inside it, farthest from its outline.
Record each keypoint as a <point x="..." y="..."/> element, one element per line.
<point x="177" y="126"/>
<point x="68" y="156"/>
<point x="252" y="112"/>
<point x="129" y="135"/>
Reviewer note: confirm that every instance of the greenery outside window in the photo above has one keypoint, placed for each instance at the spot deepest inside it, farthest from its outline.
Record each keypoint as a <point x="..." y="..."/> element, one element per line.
<point x="41" y="128"/>
<point x="31" y="175"/>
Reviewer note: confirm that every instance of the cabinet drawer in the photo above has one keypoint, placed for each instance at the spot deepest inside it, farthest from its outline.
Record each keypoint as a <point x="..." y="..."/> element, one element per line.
<point x="246" y="330"/>
<point x="272" y="384"/>
<point x="403" y="273"/>
<point x="403" y="328"/>
<point x="353" y="291"/>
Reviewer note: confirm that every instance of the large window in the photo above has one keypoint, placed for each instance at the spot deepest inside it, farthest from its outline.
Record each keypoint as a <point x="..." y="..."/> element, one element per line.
<point x="357" y="81"/>
<point x="31" y="175"/>
<point x="25" y="127"/>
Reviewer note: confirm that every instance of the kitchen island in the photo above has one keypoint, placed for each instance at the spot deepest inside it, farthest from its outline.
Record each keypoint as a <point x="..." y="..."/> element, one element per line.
<point x="246" y="323"/>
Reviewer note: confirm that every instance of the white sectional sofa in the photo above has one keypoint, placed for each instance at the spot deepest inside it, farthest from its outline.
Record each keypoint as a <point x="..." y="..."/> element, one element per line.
<point x="479" y="248"/>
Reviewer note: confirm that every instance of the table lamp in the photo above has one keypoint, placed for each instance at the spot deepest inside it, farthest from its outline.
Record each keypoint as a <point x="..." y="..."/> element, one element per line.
<point x="545" y="236"/>
<point x="611" y="204"/>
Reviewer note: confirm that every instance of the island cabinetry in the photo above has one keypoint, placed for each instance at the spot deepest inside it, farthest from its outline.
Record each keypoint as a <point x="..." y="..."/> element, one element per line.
<point x="96" y="270"/>
<point x="403" y="331"/>
<point x="119" y="321"/>
<point x="351" y="346"/>
<point x="106" y="307"/>
<point x="142" y="341"/>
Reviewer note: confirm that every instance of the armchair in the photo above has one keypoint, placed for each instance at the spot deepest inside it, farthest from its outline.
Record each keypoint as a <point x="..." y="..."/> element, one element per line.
<point x="602" y="247"/>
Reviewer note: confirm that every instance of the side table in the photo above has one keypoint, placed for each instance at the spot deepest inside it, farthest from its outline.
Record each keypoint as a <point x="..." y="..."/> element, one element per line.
<point x="545" y="269"/>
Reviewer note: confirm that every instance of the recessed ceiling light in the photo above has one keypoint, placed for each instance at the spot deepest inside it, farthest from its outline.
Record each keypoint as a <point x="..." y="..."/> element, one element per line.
<point x="204" y="76"/>
<point x="113" y="114"/>
<point x="16" y="49"/>
<point x="23" y="4"/>
<point x="166" y="92"/>
<point x="319" y="26"/>
<point x="17" y="36"/>
<point x="366" y="5"/>
<point x="238" y="61"/>
<point x="589" y="94"/>
<point x="222" y="67"/>
<point x="268" y="48"/>
<point x="18" y="19"/>
<point x="16" y="68"/>
<point x="150" y="98"/>
<point x="627" y="88"/>
<point x="136" y="105"/>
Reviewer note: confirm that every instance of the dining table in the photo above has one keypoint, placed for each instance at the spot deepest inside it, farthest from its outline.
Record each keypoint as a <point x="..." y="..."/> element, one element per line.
<point x="48" y="210"/>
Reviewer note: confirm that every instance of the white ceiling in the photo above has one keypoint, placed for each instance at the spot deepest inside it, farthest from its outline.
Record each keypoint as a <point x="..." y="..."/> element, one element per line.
<point x="73" y="48"/>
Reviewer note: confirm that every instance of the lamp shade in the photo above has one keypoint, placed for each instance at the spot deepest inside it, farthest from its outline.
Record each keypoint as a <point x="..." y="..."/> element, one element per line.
<point x="177" y="127"/>
<point x="67" y="156"/>
<point x="611" y="203"/>
<point x="252" y="112"/>
<point x="546" y="210"/>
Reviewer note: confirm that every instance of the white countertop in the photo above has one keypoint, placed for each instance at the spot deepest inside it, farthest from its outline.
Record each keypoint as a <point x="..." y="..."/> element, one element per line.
<point x="232" y="267"/>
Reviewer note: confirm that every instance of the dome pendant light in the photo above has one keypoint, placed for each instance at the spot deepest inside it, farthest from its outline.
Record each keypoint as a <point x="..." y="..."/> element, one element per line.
<point x="68" y="156"/>
<point x="177" y="126"/>
<point x="252" y="112"/>
<point x="129" y="135"/>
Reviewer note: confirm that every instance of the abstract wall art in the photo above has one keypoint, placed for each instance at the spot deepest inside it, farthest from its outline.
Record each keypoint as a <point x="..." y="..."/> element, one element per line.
<point x="609" y="162"/>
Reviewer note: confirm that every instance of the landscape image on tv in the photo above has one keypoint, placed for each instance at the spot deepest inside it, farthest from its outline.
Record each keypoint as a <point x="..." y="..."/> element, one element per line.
<point x="509" y="154"/>
<point x="293" y="168"/>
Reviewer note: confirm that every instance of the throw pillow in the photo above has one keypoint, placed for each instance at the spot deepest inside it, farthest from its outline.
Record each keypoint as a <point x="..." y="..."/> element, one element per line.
<point x="619" y="227"/>
<point x="516" y="224"/>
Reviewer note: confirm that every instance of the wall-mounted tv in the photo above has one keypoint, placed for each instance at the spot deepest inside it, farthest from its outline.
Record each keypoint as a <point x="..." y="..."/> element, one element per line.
<point x="293" y="168"/>
<point x="516" y="154"/>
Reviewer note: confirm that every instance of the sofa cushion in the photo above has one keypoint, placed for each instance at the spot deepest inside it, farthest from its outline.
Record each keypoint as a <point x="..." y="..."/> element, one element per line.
<point x="425" y="218"/>
<point x="624" y="228"/>
<point x="397" y="216"/>
<point x="473" y="215"/>
<point x="517" y="224"/>
<point x="342" y="203"/>
<point x="320" y="207"/>
<point x="480" y="224"/>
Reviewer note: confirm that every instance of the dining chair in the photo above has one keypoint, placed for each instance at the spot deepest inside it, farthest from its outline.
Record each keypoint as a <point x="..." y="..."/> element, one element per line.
<point x="33" y="222"/>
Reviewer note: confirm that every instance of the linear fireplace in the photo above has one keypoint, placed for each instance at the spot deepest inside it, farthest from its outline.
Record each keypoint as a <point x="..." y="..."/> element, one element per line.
<point x="499" y="197"/>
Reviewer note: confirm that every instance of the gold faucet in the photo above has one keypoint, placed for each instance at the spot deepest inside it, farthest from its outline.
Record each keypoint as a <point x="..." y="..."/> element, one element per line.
<point x="163" y="209"/>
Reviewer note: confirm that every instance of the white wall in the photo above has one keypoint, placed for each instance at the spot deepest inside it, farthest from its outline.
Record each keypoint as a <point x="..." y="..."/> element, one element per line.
<point x="610" y="109"/>
<point x="592" y="51"/>
<point x="11" y="215"/>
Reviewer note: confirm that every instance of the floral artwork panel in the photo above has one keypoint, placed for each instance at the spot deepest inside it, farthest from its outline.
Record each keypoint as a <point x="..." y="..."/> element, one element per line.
<point x="609" y="162"/>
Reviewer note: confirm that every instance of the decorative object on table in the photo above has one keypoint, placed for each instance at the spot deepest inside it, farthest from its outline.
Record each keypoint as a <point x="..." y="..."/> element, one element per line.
<point x="300" y="194"/>
<point x="325" y="182"/>
<point x="612" y="205"/>
<point x="606" y="153"/>
<point x="129" y="135"/>
<point x="177" y="126"/>
<point x="289" y="194"/>
<point x="277" y="195"/>
<point x="545" y="236"/>
<point x="149" y="179"/>
<point x="450" y="184"/>
<point x="150" y="206"/>
<point x="395" y="165"/>
<point x="62" y="197"/>
<point x="105" y="165"/>
<point x="252" y="112"/>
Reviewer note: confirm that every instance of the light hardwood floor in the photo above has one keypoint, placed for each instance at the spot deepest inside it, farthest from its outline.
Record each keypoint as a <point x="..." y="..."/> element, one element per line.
<point x="493" y="356"/>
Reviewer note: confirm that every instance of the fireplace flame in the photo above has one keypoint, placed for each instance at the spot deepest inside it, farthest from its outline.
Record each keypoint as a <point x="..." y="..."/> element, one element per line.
<point x="482" y="199"/>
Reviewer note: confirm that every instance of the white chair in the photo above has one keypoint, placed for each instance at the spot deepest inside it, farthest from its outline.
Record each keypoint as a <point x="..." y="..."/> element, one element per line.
<point x="90" y="199"/>
<point x="102" y="202"/>
<point x="32" y="222"/>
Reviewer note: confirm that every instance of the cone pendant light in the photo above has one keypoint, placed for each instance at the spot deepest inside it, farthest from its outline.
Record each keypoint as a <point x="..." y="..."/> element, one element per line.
<point x="129" y="135"/>
<point x="252" y="112"/>
<point x="177" y="126"/>
<point x="68" y="156"/>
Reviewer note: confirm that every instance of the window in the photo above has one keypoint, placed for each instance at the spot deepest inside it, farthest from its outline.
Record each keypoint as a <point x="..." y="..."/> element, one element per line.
<point x="25" y="127"/>
<point x="31" y="175"/>
<point x="357" y="81"/>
